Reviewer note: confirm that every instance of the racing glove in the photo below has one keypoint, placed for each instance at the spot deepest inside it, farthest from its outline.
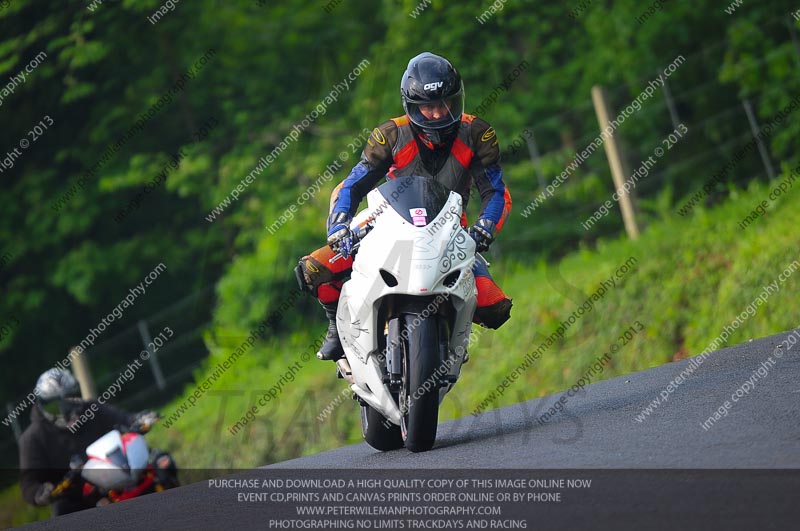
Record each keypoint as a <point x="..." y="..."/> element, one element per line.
<point x="340" y="238"/>
<point x="144" y="420"/>
<point x="483" y="234"/>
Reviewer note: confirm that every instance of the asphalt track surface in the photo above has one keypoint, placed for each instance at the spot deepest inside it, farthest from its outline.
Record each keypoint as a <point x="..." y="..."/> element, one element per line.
<point x="665" y="472"/>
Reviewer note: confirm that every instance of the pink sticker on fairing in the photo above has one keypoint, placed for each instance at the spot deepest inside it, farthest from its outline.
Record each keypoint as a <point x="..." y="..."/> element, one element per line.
<point x="419" y="216"/>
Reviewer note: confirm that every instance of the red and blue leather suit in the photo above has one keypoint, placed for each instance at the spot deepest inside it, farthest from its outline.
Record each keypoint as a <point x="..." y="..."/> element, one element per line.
<point x="394" y="150"/>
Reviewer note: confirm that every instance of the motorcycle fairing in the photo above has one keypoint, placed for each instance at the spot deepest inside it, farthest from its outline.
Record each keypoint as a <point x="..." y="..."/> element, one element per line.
<point x="115" y="461"/>
<point x="417" y="260"/>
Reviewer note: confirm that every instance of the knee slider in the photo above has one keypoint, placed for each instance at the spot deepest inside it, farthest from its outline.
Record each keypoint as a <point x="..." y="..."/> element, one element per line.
<point x="310" y="275"/>
<point x="494" y="315"/>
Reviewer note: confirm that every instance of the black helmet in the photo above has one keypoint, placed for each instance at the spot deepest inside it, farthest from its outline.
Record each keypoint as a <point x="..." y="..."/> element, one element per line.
<point x="433" y="97"/>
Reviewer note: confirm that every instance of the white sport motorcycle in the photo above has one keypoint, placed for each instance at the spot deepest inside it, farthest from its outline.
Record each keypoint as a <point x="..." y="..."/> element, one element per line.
<point x="405" y="316"/>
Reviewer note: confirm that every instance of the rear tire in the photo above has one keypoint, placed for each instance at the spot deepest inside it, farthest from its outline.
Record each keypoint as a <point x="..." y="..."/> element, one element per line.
<point x="421" y="387"/>
<point x="379" y="432"/>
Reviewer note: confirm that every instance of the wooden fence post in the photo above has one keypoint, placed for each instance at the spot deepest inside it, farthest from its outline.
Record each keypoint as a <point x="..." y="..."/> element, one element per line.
<point x="615" y="161"/>
<point x="80" y="364"/>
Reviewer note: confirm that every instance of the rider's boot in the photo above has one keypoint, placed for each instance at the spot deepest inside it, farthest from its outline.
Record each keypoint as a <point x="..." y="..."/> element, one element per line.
<point x="331" y="348"/>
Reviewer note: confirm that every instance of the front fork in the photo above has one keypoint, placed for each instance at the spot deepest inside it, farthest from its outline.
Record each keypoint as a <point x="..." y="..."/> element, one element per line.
<point x="397" y="350"/>
<point x="396" y="347"/>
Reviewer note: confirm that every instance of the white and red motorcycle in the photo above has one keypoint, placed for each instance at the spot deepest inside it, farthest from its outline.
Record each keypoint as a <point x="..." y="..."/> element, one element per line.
<point x="405" y="316"/>
<point x="119" y="466"/>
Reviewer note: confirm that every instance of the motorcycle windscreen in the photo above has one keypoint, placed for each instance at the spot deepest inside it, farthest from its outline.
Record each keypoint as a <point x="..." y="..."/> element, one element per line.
<point x="417" y="199"/>
<point x="136" y="450"/>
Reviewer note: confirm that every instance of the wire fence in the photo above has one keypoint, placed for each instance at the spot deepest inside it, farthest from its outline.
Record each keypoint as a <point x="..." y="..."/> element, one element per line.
<point x="718" y="125"/>
<point x="160" y="378"/>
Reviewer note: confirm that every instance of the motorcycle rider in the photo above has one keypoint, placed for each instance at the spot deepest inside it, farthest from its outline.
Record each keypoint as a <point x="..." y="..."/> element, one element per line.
<point x="48" y="445"/>
<point x="435" y="139"/>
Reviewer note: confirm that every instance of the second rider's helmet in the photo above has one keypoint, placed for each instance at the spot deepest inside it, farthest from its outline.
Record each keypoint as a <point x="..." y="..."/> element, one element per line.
<point x="58" y="396"/>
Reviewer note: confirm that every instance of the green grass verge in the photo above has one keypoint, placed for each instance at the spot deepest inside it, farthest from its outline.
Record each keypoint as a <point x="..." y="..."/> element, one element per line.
<point x="14" y="511"/>
<point x="692" y="277"/>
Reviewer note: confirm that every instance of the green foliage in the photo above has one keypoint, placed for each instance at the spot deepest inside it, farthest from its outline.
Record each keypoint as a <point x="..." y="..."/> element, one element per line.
<point x="15" y="512"/>
<point x="271" y="66"/>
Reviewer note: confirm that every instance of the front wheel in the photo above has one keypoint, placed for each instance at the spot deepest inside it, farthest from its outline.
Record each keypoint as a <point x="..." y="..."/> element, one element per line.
<point x="378" y="432"/>
<point x="420" y="395"/>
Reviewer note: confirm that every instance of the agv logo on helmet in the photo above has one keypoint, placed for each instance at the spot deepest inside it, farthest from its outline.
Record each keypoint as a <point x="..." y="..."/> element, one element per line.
<point x="433" y="86"/>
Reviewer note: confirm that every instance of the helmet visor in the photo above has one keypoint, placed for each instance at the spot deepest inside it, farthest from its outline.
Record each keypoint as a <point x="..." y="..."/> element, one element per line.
<point x="53" y="407"/>
<point x="436" y="114"/>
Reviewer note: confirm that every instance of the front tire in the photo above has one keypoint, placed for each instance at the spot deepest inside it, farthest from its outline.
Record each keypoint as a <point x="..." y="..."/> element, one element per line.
<point x="378" y="431"/>
<point x="420" y="383"/>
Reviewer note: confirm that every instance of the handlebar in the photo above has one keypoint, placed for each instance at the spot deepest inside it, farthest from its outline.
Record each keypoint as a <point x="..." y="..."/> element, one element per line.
<point x="362" y="231"/>
<point x="357" y="236"/>
<point x="66" y="483"/>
